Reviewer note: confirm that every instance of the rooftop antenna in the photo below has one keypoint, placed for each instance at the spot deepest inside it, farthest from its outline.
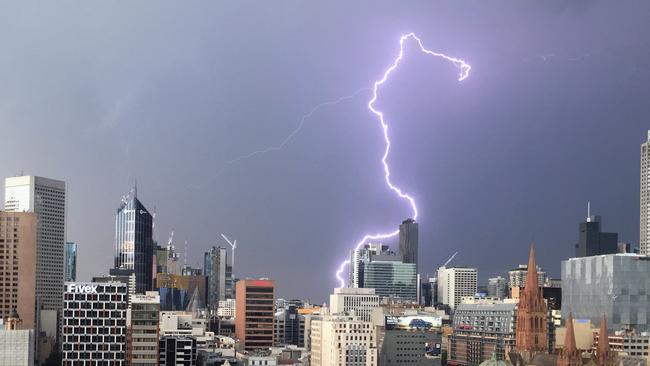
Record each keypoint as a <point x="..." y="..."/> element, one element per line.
<point x="588" y="208"/>
<point x="233" y="245"/>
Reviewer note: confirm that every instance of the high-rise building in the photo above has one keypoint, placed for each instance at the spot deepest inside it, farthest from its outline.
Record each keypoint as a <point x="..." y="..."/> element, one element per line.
<point x="18" y="233"/>
<point x="142" y="321"/>
<point x="354" y="301"/>
<point x="134" y="246"/>
<point x="255" y="303"/>
<point x="613" y="284"/>
<point x="517" y="276"/>
<point x="644" y="237"/>
<point x="408" y="241"/>
<point x="47" y="198"/>
<point x="70" y="262"/>
<point x="216" y="269"/>
<point x="289" y="327"/>
<point x="94" y="323"/>
<point x="342" y="340"/>
<point x="497" y="287"/>
<point x="455" y="283"/>
<point x="532" y="322"/>
<point x="592" y="241"/>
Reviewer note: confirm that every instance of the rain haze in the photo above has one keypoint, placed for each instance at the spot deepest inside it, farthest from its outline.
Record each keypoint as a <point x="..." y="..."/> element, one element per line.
<point x="171" y="94"/>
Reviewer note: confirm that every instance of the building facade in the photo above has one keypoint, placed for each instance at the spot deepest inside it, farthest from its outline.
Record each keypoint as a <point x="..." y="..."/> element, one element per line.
<point x="94" y="323"/>
<point x="47" y="198"/>
<point x="342" y="340"/>
<point x="456" y="283"/>
<point x="517" y="276"/>
<point x="593" y="241"/>
<point x="18" y="248"/>
<point x="177" y="350"/>
<point x="70" y="262"/>
<point x="215" y="267"/>
<point x="143" y="322"/>
<point x="134" y="246"/>
<point x="644" y="235"/>
<point x="497" y="287"/>
<point x="608" y="284"/>
<point x="408" y="241"/>
<point x="356" y="301"/>
<point x="255" y="313"/>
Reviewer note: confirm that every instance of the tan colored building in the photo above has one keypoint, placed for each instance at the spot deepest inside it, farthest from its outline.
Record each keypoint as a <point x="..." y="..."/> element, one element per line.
<point x="338" y="340"/>
<point x="18" y="266"/>
<point x="254" y="318"/>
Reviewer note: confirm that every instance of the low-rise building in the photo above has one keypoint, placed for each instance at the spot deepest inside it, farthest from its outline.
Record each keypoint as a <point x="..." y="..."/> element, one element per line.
<point x="142" y="320"/>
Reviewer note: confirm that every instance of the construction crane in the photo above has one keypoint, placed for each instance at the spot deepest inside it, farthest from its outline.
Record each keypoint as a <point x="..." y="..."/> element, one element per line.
<point x="233" y="245"/>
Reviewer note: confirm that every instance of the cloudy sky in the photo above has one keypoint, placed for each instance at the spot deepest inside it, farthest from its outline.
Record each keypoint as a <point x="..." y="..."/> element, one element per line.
<point x="100" y="94"/>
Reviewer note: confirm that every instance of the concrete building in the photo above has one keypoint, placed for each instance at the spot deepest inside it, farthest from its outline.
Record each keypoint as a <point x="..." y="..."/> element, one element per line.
<point x="255" y="313"/>
<point x="408" y="241"/>
<point x="613" y="284"/>
<point x="592" y="240"/>
<point x="456" y="283"/>
<point x="94" y="323"/>
<point x="342" y="340"/>
<point x="177" y="350"/>
<point x="142" y="321"/>
<point x="227" y="308"/>
<point x="18" y="252"/>
<point x="47" y="198"/>
<point x="480" y="329"/>
<point x="644" y="235"/>
<point x="517" y="276"/>
<point x="356" y="301"/>
<point x="70" y="262"/>
<point x="219" y="276"/>
<point x="16" y="345"/>
<point x="497" y="287"/>
<point x="134" y="246"/>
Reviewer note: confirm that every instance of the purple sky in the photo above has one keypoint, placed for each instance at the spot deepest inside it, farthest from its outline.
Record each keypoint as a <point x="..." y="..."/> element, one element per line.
<point x="551" y="116"/>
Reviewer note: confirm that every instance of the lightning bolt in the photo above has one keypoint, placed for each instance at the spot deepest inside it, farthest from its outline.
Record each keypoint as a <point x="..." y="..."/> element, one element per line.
<point x="464" y="73"/>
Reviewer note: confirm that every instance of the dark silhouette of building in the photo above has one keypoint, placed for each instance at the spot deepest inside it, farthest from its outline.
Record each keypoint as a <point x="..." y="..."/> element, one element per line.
<point x="408" y="241"/>
<point x="592" y="241"/>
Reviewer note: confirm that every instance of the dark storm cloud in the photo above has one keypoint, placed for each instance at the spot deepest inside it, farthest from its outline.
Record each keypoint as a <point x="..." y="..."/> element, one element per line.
<point x="551" y="116"/>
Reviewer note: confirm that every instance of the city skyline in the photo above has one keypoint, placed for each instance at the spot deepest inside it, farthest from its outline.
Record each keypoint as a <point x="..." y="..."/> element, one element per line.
<point x="504" y="154"/>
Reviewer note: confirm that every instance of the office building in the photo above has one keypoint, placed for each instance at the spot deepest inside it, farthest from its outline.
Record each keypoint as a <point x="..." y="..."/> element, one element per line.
<point x="614" y="284"/>
<point x="644" y="235"/>
<point x="408" y="241"/>
<point x="126" y="277"/>
<point x="219" y="276"/>
<point x="342" y="340"/>
<point x="376" y="266"/>
<point x="517" y="276"/>
<point x="226" y="308"/>
<point x="142" y="333"/>
<point x="177" y="350"/>
<point x="354" y="301"/>
<point x="455" y="283"/>
<point x="94" y="323"/>
<point x="592" y="241"/>
<point x="255" y="313"/>
<point x="134" y="246"/>
<point x="18" y="263"/>
<point x="47" y="198"/>
<point x="497" y="287"/>
<point x="481" y="328"/>
<point x="289" y="327"/>
<point x="16" y="345"/>
<point x="70" y="262"/>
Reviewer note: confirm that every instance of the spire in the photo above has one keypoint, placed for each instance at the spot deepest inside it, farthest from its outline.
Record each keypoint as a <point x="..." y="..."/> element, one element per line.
<point x="604" y="355"/>
<point x="532" y="285"/>
<point x="135" y="188"/>
<point x="569" y="336"/>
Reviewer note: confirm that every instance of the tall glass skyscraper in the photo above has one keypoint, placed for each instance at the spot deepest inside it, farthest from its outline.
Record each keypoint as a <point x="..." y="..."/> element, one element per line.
<point x="134" y="246"/>
<point x="408" y="241"/>
<point x="70" y="262"/>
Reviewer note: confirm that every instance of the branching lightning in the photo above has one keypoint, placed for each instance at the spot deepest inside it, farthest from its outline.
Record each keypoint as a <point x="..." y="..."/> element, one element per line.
<point x="464" y="72"/>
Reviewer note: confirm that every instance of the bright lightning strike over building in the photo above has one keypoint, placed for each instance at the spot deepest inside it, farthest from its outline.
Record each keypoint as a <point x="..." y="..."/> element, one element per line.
<point x="464" y="72"/>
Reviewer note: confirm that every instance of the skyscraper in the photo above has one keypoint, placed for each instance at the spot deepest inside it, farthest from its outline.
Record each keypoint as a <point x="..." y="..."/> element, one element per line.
<point x="47" y="198"/>
<point x="134" y="246"/>
<point x="592" y="241"/>
<point x="408" y="241"/>
<point x="70" y="262"/>
<point x="456" y="283"/>
<point x="254" y="309"/>
<point x="219" y="274"/>
<point x="644" y="237"/>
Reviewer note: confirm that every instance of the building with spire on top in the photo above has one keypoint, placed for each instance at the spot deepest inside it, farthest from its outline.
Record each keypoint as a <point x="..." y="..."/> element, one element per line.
<point x="569" y="355"/>
<point x="604" y="354"/>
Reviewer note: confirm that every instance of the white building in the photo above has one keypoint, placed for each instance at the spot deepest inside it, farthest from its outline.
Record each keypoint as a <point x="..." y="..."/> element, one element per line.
<point x="517" y="276"/>
<point x="456" y="283"/>
<point x="226" y="308"/>
<point x="644" y="237"/>
<point x="359" y="301"/>
<point x="17" y="347"/>
<point x="46" y="197"/>
<point x="94" y="322"/>
<point x="338" y="340"/>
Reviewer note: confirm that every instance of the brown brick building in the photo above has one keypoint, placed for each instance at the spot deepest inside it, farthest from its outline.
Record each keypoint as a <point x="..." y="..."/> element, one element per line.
<point x="255" y="302"/>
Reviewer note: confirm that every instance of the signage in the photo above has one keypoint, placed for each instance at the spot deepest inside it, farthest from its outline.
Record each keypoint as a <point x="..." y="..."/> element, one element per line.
<point x="82" y="289"/>
<point x="413" y="322"/>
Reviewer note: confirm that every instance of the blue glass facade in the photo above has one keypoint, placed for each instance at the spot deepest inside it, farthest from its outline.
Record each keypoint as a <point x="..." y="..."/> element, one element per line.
<point x="70" y="262"/>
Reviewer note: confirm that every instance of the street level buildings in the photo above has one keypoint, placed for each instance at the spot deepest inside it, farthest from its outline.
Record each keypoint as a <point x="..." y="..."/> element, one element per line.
<point x="47" y="198"/>
<point x="18" y="258"/>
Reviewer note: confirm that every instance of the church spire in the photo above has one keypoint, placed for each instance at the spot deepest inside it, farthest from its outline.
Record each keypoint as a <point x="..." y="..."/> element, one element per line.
<point x="570" y="355"/>
<point x="604" y="355"/>
<point x="532" y="282"/>
<point x="532" y="323"/>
